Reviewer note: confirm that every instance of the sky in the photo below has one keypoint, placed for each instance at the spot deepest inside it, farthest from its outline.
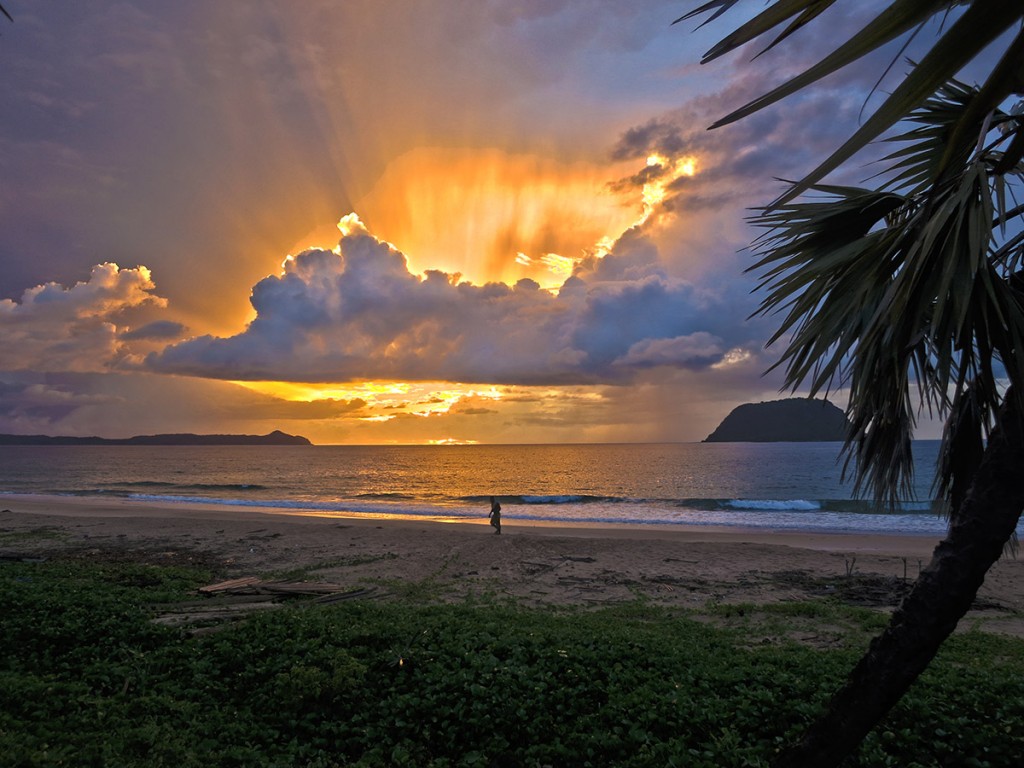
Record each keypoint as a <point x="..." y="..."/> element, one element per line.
<point x="392" y="221"/>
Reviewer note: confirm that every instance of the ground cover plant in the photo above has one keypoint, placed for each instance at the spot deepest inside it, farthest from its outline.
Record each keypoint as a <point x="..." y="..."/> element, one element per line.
<point x="87" y="680"/>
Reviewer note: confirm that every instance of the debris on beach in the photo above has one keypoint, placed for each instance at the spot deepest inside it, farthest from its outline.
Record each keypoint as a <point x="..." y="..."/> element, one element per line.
<point x="229" y="601"/>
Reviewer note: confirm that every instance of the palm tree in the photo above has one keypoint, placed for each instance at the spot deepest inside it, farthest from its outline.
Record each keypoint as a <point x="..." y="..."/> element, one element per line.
<point x="910" y="293"/>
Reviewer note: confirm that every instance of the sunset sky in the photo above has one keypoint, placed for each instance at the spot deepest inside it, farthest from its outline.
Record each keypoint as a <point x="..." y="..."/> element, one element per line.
<point x="390" y="221"/>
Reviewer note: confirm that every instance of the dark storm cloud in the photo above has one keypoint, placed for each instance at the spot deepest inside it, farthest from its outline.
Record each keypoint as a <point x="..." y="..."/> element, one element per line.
<point x="657" y="135"/>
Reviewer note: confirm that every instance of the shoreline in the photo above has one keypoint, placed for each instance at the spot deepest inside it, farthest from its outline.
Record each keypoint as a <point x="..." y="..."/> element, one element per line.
<point x="534" y="564"/>
<point x="120" y="507"/>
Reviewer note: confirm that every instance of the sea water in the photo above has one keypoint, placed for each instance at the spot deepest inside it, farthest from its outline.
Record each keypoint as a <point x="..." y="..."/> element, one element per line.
<point x="779" y="486"/>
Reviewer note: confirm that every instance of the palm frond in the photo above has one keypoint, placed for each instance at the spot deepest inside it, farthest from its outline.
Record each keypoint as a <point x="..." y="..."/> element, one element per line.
<point x="777" y="13"/>
<point x="963" y="444"/>
<point x="720" y="6"/>
<point x="898" y="18"/>
<point x="925" y="144"/>
<point x="979" y="24"/>
<point x="895" y="296"/>
<point x="1013" y="155"/>
<point x="1006" y="78"/>
<point x="811" y="12"/>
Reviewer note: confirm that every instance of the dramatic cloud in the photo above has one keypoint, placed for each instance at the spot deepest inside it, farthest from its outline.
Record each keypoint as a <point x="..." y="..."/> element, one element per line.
<point x="657" y="135"/>
<point x="213" y="137"/>
<point x="359" y="314"/>
<point x="53" y="328"/>
<point x="497" y="150"/>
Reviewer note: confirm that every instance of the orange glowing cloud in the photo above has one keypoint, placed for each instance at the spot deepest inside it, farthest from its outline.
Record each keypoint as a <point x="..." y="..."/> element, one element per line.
<point x="491" y="215"/>
<point x="656" y="188"/>
<point x="383" y="400"/>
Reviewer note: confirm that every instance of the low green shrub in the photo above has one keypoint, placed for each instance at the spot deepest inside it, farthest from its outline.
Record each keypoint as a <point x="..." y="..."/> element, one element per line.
<point x="87" y="680"/>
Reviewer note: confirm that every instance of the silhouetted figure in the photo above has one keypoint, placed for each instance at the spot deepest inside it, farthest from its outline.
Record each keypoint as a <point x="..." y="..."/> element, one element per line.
<point x="495" y="515"/>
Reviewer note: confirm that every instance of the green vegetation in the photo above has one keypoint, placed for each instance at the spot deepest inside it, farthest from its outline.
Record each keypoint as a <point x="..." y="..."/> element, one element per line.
<point x="43" y="533"/>
<point x="87" y="680"/>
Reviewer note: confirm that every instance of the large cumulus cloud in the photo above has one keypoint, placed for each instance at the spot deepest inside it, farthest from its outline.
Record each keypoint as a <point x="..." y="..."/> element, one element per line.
<point x="53" y="328"/>
<point x="124" y="131"/>
<point x="358" y="313"/>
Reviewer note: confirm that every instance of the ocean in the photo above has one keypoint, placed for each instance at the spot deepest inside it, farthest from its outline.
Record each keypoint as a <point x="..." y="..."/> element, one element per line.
<point x="780" y="486"/>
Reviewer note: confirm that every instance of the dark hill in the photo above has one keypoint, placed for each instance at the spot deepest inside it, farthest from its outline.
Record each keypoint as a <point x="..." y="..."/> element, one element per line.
<point x="796" y="420"/>
<point x="274" y="438"/>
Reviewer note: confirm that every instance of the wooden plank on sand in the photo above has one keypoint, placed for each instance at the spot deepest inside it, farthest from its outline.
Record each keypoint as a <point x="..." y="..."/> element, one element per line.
<point x="298" y="588"/>
<point x="177" y="618"/>
<point x="224" y="586"/>
<point x="350" y="595"/>
<point x="253" y="585"/>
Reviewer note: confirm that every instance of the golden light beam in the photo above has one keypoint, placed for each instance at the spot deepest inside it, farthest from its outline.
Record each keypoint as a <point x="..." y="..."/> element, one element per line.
<point x="488" y="215"/>
<point x="492" y="215"/>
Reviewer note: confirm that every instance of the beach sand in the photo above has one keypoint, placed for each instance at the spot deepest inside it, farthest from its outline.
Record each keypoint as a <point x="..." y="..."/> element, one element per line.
<point x="533" y="564"/>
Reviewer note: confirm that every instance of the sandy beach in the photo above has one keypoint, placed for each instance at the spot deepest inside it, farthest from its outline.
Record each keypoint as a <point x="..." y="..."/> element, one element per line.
<point x="534" y="564"/>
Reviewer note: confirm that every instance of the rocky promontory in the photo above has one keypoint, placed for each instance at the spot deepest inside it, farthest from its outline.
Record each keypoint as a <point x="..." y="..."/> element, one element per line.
<point x="795" y="420"/>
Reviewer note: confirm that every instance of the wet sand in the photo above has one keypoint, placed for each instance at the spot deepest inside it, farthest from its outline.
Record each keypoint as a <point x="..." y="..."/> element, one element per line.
<point x="531" y="563"/>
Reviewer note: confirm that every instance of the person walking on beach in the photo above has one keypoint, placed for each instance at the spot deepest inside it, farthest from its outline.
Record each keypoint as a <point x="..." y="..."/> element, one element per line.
<point x="495" y="515"/>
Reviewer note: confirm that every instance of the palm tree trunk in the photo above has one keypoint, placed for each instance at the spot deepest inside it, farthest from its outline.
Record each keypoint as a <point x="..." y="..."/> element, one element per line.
<point x="929" y="613"/>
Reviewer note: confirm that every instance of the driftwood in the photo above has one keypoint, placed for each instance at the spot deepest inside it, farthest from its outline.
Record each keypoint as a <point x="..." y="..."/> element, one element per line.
<point x="180" y="615"/>
<point x="229" y="601"/>
<point x="227" y="586"/>
<point x="337" y="597"/>
<point x="253" y="585"/>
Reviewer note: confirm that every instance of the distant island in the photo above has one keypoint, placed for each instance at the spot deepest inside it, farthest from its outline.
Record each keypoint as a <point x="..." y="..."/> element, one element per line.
<point x="795" y="420"/>
<point x="274" y="438"/>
